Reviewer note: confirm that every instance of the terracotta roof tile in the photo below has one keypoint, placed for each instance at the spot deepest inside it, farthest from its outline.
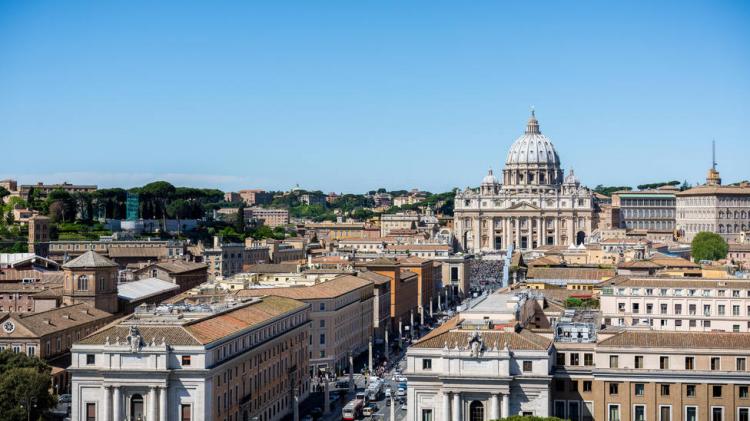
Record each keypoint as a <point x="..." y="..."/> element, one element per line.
<point x="336" y="287"/>
<point x="681" y="340"/>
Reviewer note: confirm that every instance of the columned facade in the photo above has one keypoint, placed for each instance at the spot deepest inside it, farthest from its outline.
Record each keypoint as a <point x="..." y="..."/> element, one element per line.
<point x="533" y="206"/>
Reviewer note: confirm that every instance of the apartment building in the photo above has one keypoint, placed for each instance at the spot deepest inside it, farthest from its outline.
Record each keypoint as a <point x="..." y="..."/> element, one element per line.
<point x="404" y="291"/>
<point x="342" y="318"/>
<point x="254" y="197"/>
<point x="397" y="221"/>
<point x="122" y="252"/>
<point x="681" y="304"/>
<point x="224" y="259"/>
<point x="235" y="360"/>
<point x="270" y="217"/>
<point x="724" y="210"/>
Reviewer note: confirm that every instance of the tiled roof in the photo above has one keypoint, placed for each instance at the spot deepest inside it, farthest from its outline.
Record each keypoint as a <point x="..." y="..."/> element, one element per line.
<point x="15" y="275"/>
<point x="418" y="247"/>
<point x="665" y="282"/>
<point x="90" y="259"/>
<point x="179" y="266"/>
<point x="173" y="335"/>
<point x="374" y="277"/>
<point x="217" y="327"/>
<point x="680" y="340"/>
<point x="45" y="322"/>
<point x="739" y="247"/>
<point x="336" y="287"/>
<point x="155" y="252"/>
<point x="639" y="264"/>
<point x="674" y="262"/>
<point x="524" y="340"/>
<point x="412" y="260"/>
<point x="536" y="272"/>
<point x="715" y="190"/>
<point x="272" y="268"/>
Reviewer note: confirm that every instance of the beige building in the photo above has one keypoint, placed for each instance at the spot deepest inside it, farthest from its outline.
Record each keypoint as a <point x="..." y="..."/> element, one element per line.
<point x="341" y="314"/>
<point x="712" y="207"/>
<point x="270" y="217"/>
<point x="397" y="221"/>
<point x="254" y="197"/>
<point x="533" y="204"/>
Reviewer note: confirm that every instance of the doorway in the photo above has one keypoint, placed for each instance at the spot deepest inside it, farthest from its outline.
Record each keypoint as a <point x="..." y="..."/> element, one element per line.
<point x="136" y="408"/>
<point x="476" y="411"/>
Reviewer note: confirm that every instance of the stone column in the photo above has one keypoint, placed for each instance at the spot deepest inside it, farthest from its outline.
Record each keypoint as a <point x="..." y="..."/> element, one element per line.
<point x="431" y="305"/>
<point x="369" y="357"/>
<point x="540" y="232"/>
<point x="494" y="407"/>
<point x="387" y="345"/>
<point x="505" y="413"/>
<point x="106" y="402"/>
<point x="163" y="404"/>
<point x="557" y="233"/>
<point x="440" y="295"/>
<point x="351" y="371"/>
<point x="446" y="406"/>
<point x="457" y="406"/>
<point x="326" y="397"/>
<point x="117" y="404"/>
<point x="152" y="403"/>
<point x="518" y="232"/>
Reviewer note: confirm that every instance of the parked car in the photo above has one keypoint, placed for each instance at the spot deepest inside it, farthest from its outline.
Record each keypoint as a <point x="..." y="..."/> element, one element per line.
<point x="401" y="392"/>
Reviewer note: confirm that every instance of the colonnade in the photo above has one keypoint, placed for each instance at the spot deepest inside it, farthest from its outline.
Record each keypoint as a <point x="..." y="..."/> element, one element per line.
<point x="155" y="404"/>
<point x="453" y="406"/>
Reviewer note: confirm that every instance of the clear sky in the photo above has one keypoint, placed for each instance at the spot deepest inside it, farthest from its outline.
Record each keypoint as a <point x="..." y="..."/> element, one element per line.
<point x="354" y="95"/>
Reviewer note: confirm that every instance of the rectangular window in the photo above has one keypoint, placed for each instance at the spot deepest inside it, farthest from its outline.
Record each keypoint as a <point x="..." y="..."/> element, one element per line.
<point x="717" y="413"/>
<point x="574" y="358"/>
<point x="560" y="358"/>
<point x="185" y="413"/>
<point x="90" y="412"/>
<point x="691" y="413"/>
<point x="574" y="410"/>
<point x="689" y="363"/>
<point x="639" y="361"/>
<point x="690" y="390"/>
<point x="743" y="392"/>
<point x="90" y="359"/>
<point x="613" y="388"/>
<point x="587" y="385"/>
<point x="665" y="413"/>
<point x="527" y="366"/>
<point x="741" y="364"/>
<point x="613" y="361"/>
<point x="427" y="415"/>
<point x="639" y="413"/>
<point x="664" y="363"/>
<point x="665" y="390"/>
<point x="716" y="391"/>
<point x="743" y="414"/>
<point x="613" y="413"/>
<point x="639" y="389"/>
<point x="560" y="410"/>
<point x="588" y="359"/>
<point x="715" y="363"/>
<point x="426" y="364"/>
<point x="186" y="360"/>
<point x="322" y="338"/>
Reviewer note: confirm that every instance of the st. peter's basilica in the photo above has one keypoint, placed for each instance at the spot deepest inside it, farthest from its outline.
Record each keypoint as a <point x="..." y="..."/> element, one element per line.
<point x="535" y="204"/>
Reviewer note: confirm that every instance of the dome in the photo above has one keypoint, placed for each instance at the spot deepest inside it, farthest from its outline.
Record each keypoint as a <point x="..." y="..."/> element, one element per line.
<point x="533" y="147"/>
<point x="490" y="179"/>
<point x="571" y="178"/>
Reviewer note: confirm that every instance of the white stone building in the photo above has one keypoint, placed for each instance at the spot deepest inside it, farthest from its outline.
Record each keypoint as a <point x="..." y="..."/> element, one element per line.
<point x="479" y="367"/>
<point x="202" y="362"/>
<point x="533" y="205"/>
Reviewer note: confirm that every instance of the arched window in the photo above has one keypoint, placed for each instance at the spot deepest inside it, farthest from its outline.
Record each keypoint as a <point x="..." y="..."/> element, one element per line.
<point x="476" y="411"/>
<point x="83" y="283"/>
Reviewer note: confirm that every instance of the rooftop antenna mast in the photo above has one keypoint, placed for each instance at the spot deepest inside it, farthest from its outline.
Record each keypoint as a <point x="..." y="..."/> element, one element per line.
<point x="713" y="154"/>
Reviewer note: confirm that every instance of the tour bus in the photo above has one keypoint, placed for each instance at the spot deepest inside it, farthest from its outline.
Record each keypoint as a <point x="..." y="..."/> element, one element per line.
<point x="352" y="410"/>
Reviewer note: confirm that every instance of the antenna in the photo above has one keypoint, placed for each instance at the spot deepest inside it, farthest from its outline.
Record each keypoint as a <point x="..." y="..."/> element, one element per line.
<point x="713" y="154"/>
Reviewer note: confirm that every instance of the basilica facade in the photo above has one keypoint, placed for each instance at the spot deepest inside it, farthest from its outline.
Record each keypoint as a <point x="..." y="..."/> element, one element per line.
<point x="532" y="205"/>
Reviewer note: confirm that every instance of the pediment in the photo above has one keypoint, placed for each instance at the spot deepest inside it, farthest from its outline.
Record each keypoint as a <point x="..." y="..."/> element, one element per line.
<point x="18" y="331"/>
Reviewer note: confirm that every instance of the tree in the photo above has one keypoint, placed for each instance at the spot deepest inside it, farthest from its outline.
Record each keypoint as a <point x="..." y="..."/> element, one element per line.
<point x="708" y="246"/>
<point x="3" y="192"/>
<point x="239" y="223"/>
<point x="24" y="387"/>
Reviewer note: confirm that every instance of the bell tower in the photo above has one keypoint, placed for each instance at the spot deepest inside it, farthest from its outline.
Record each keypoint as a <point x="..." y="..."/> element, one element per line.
<point x="91" y="278"/>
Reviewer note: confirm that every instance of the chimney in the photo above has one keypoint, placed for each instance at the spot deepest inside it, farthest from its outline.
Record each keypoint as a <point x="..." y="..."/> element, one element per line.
<point x="216" y="241"/>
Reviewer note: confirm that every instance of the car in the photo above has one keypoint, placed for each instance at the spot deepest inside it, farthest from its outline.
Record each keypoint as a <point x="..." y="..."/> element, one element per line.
<point x="401" y="392"/>
<point x="367" y="411"/>
<point x="64" y="398"/>
<point x="401" y="379"/>
<point x="388" y="402"/>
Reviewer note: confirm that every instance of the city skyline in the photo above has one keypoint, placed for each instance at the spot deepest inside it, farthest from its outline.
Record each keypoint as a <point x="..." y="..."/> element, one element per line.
<point x="430" y="97"/>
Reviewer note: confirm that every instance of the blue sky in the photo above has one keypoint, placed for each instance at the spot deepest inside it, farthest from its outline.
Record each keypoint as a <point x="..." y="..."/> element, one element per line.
<point x="350" y="96"/>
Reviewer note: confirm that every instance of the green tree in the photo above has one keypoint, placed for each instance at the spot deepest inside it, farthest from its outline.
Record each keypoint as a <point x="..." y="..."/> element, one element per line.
<point x="24" y="387"/>
<point x="3" y="192"/>
<point x="708" y="246"/>
<point x="239" y="223"/>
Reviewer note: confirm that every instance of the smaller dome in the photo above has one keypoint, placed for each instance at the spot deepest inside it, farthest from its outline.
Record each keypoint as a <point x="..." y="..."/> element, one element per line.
<point x="571" y="178"/>
<point x="490" y="178"/>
